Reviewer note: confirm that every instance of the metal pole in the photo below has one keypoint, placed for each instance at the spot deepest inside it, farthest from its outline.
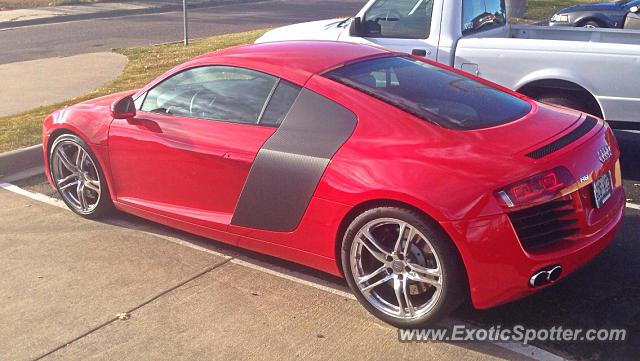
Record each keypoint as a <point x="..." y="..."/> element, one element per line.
<point x="184" y="16"/>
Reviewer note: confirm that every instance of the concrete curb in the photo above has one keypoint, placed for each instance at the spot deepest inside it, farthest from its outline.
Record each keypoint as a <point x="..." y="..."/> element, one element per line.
<point x="21" y="161"/>
<point x="117" y="13"/>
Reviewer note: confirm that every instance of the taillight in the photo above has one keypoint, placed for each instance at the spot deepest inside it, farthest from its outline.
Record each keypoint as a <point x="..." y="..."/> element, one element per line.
<point x="538" y="188"/>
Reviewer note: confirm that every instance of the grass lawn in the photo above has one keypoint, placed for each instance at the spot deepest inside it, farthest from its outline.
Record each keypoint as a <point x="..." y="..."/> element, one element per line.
<point x="145" y="64"/>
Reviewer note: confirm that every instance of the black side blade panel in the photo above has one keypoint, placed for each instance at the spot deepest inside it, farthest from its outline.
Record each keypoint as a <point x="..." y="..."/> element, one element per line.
<point x="288" y="168"/>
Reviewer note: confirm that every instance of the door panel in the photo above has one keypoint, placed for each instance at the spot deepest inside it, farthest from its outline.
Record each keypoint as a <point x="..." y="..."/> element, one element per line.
<point x="190" y="169"/>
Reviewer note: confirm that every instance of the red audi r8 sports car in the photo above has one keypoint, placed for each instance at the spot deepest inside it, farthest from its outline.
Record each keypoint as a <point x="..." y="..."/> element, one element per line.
<point x="421" y="185"/>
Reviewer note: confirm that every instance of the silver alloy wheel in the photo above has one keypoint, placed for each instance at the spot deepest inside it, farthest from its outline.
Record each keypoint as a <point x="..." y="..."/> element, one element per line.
<point x="396" y="268"/>
<point x="76" y="176"/>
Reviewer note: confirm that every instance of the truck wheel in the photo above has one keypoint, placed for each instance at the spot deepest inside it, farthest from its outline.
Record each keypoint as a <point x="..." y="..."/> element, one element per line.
<point x="570" y="100"/>
<point x="401" y="268"/>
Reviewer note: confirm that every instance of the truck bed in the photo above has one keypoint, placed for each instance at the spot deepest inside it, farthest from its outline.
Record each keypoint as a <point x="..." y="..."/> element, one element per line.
<point x="617" y="36"/>
<point x="603" y="62"/>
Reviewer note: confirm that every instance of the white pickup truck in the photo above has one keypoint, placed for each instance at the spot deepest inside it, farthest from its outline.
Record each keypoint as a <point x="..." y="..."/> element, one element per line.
<point x="593" y="70"/>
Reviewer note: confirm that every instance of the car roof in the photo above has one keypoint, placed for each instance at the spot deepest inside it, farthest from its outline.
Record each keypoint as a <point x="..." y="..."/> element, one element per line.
<point x="295" y="61"/>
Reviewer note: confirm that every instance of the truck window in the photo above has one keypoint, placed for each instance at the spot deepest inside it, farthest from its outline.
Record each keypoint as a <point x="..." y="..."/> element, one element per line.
<point x="480" y="15"/>
<point x="406" y="19"/>
<point x="435" y="94"/>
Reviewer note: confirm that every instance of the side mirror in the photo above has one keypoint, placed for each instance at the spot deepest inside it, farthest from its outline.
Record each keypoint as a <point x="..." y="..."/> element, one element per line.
<point x="355" y="29"/>
<point x="124" y="108"/>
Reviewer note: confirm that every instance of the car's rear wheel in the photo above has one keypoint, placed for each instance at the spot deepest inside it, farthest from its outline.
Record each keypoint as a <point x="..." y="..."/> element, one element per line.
<point x="78" y="178"/>
<point x="401" y="268"/>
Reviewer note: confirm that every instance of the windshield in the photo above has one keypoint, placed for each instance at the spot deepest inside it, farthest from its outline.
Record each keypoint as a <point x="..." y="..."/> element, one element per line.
<point x="432" y="93"/>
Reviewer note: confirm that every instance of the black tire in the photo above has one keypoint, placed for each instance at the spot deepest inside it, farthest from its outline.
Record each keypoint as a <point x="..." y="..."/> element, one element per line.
<point x="454" y="288"/>
<point x="573" y="100"/>
<point x="592" y="24"/>
<point x="104" y="205"/>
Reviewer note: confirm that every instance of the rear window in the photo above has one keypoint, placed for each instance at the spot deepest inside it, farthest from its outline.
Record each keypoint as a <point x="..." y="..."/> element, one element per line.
<point x="432" y="93"/>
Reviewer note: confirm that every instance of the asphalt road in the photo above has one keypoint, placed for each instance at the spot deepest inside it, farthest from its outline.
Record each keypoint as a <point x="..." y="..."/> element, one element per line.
<point x="89" y="36"/>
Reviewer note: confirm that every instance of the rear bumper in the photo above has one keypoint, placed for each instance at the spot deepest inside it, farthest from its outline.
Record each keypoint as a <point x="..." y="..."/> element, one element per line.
<point x="499" y="268"/>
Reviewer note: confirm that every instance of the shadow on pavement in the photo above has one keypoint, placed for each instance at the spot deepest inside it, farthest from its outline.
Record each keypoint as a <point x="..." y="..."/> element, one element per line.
<point x="629" y="143"/>
<point x="603" y="294"/>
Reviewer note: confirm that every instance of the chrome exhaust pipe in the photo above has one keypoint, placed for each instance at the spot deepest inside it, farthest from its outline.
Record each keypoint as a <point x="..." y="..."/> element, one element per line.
<point x="545" y="276"/>
<point x="555" y="273"/>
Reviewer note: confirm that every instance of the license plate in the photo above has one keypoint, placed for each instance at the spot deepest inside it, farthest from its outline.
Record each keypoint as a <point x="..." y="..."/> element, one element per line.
<point x="602" y="189"/>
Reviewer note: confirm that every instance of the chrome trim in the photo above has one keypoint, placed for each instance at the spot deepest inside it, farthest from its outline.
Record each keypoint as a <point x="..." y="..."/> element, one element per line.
<point x="548" y="276"/>
<point x="506" y="198"/>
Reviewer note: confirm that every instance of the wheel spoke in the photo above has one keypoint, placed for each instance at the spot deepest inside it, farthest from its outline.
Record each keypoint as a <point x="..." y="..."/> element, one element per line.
<point x="93" y="185"/>
<point x="378" y="283"/>
<point x="81" y="198"/>
<point x="405" y="284"/>
<point x="407" y="244"/>
<point x="377" y="251"/>
<point x="79" y="156"/>
<point x="68" y="185"/>
<point x="396" y="248"/>
<point x="66" y="179"/>
<point x="66" y="162"/>
<point x="397" y="287"/>
<point x="364" y="279"/>
<point x="425" y="275"/>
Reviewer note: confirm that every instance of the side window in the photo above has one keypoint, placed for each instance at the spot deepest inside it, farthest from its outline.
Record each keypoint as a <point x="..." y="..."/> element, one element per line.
<point x="213" y="92"/>
<point x="407" y="19"/>
<point x="480" y="15"/>
<point x="280" y="103"/>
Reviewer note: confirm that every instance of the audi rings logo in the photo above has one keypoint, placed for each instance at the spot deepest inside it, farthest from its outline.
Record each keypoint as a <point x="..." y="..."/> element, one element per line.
<point x="604" y="154"/>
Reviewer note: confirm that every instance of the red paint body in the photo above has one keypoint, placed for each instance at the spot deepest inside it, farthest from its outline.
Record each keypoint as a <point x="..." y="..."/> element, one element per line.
<point x="188" y="174"/>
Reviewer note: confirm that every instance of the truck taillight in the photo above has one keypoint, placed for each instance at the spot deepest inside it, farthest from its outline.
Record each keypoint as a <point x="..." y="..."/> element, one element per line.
<point x="536" y="189"/>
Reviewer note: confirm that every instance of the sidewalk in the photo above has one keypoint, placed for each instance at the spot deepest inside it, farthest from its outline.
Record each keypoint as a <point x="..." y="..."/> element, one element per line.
<point x="63" y="280"/>
<point x="53" y="14"/>
<point x="35" y="83"/>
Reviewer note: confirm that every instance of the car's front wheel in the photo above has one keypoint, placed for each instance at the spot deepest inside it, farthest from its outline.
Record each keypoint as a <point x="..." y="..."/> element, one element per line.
<point x="78" y="178"/>
<point x="592" y="25"/>
<point x="402" y="268"/>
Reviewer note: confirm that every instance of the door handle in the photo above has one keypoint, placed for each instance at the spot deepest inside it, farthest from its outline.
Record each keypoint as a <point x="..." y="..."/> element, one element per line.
<point x="420" y="52"/>
<point x="470" y="68"/>
<point x="147" y="124"/>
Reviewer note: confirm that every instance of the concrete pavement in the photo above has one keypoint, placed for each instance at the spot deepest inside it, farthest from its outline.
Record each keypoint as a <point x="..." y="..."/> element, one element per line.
<point x="64" y="279"/>
<point x="31" y="84"/>
<point x="63" y="276"/>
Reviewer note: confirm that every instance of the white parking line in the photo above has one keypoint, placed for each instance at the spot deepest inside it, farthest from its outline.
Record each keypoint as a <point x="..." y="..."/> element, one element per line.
<point x="35" y="196"/>
<point x="528" y="351"/>
<point x="633" y="206"/>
